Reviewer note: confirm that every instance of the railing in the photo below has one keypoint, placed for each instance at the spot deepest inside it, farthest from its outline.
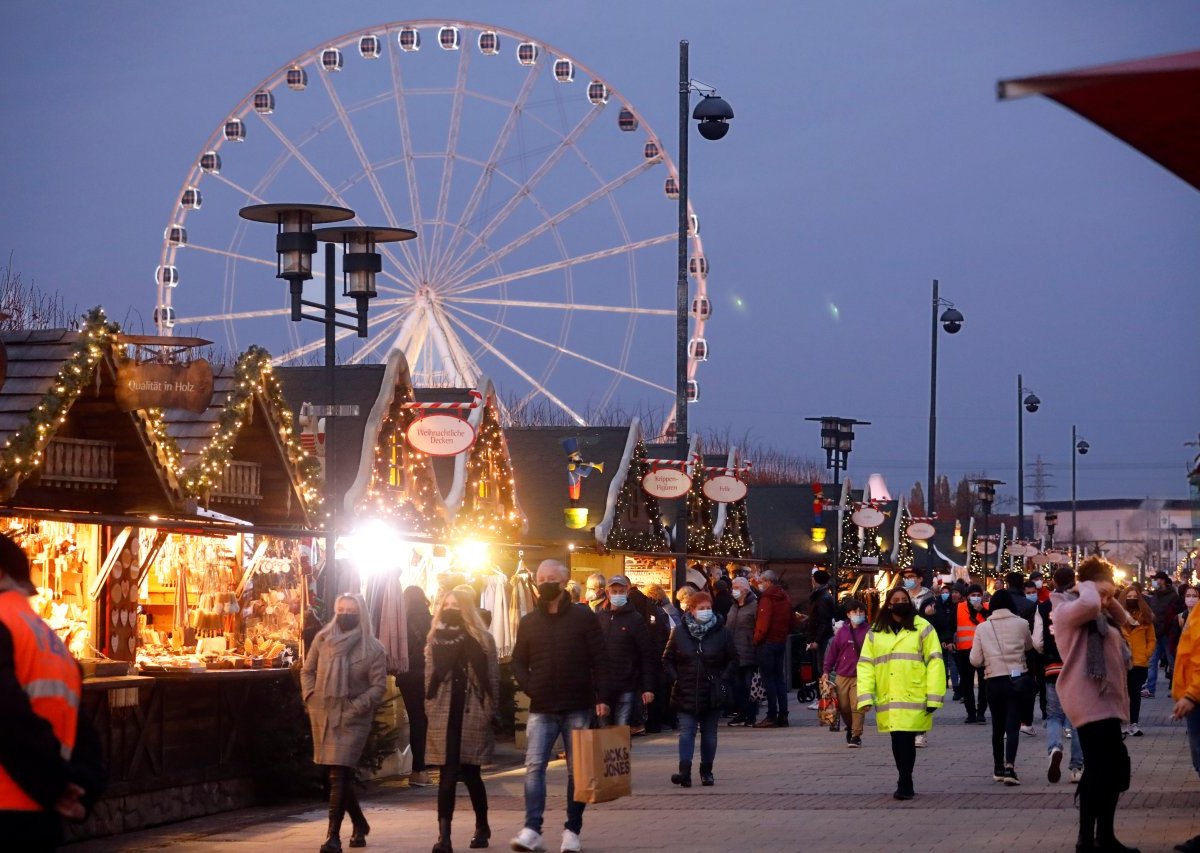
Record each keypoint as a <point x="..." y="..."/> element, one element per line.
<point x="241" y="483"/>
<point x="79" y="463"/>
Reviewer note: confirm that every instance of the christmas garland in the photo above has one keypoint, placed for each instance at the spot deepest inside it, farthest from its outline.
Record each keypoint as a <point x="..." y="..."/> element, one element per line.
<point x="621" y="538"/>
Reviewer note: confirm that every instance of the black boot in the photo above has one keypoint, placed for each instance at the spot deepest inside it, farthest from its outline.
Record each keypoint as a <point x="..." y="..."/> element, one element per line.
<point x="706" y="777"/>
<point x="483" y="834"/>
<point x="684" y="777"/>
<point x="337" y="810"/>
<point x="781" y="721"/>
<point x="443" y="843"/>
<point x="358" y="821"/>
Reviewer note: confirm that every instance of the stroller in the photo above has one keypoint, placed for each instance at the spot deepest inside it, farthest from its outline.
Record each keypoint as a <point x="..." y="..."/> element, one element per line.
<point x="806" y="672"/>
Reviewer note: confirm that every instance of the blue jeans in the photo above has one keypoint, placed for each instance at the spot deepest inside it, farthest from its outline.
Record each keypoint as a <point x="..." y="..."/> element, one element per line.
<point x="1193" y="730"/>
<point x="707" y="724"/>
<point x="1055" y="720"/>
<point x="951" y="667"/>
<point x="1161" y="647"/>
<point x="770" y="667"/>
<point x="541" y="732"/>
<point x="623" y="712"/>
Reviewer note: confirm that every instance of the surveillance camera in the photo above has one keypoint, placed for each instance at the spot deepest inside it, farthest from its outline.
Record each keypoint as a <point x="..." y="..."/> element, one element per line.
<point x="713" y="113"/>
<point x="1032" y="403"/>
<point x="952" y="320"/>
<point x="952" y="328"/>
<point x="1083" y="447"/>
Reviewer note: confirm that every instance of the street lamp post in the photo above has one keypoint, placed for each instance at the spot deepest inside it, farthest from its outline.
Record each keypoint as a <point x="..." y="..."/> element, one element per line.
<point x="295" y="244"/>
<point x="986" y="491"/>
<point x="837" y="440"/>
<point x="1051" y="523"/>
<point x="713" y="114"/>
<point x="1030" y="404"/>
<point x="951" y="320"/>
<point x="1079" y="447"/>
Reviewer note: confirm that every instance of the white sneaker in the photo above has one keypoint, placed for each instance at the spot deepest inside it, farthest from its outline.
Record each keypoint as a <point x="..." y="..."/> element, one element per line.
<point x="570" y="842"/>
<point x="529" y="841"/>
<point x="922" y="741"/>
<point x="1028" y="730"/>
<point x="1076" y="775"/>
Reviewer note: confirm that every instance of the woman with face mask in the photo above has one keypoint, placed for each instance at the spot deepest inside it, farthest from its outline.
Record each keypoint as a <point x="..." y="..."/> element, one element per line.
<point x="462" y="678"/>
<point x="901" y="674"/>
<point x="971" y="614"/>
<point x="700" y="662"/>
<point x="1139" y="634"/>
<point x="841" y="658"/>
<point x="343" y="679"/>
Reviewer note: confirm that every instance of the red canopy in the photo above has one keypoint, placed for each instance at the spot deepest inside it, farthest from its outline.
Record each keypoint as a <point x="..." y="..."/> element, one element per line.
<point x="1152" y="104"/>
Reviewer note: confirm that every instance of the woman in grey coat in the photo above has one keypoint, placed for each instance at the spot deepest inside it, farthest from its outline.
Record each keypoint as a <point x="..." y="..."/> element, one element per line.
<point x="740" y="622"/>
<point x="462" y="686"/>
<point x="343" y="681"/>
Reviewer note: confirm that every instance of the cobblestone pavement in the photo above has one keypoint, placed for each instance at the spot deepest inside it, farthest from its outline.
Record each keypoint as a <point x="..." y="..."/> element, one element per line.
<point x="777" y="790"/>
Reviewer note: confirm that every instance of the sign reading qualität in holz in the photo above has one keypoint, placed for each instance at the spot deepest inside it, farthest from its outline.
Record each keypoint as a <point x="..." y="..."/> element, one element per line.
<point x="154" y="385"/>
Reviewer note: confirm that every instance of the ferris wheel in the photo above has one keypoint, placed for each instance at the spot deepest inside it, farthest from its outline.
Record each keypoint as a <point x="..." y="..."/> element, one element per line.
<point x="541" y="198"/>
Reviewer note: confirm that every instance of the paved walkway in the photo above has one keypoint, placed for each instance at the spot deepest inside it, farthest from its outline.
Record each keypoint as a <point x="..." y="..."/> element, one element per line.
<point x="777" y="790"/>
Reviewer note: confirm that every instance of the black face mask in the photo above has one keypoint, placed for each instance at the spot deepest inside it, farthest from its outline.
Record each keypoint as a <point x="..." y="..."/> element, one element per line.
<point x="903" y="609"/>
<point x="549" y="591"/>
<point x="347" y="621"/>
<point x="452" y="618"/>
<point x="1131" y="605"/>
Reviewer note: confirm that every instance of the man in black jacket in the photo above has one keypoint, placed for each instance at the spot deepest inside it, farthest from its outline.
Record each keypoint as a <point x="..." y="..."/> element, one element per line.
<point x="629" y="664"/>
<point x="558" y="660"/>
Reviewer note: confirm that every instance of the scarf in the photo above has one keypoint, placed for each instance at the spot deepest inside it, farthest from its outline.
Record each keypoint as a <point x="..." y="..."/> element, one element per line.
<point x="1097" y="631"/>
<point x="697" y="628"/>
<point x="343" y="648"/>
<point x="453" y="649"/>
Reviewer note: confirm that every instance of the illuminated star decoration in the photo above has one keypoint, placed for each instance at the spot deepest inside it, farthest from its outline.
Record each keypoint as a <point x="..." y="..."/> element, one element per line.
<point x="577" y="469"/>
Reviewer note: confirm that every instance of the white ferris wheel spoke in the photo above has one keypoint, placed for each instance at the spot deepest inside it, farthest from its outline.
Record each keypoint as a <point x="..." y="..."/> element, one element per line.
<point x="340" y="335"/>
<point x="242" y="190"/>
<point x="483" y="184"/>
<point x="234" y="255"/>
<point x="410" y="174"/>
<point x="560" y="306"/>
<point x="566" y="263"/>
<point x="325" y="185"/>
<point x="539" y="387"/>
<point x="564" y="145"/>
<point x="381" y="337"/>
<point x="372" y="178"/>
<point x="564" y="351"/>
<point x="443" y="202"/>
<point x="558" y="218"/>
<point x="236" y="315"/>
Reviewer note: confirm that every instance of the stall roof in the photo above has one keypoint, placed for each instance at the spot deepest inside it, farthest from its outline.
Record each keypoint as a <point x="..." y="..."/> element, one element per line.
<point x="540" y="467"/>
<point x="1152" y="104"/>
<point x="34" y="360"/>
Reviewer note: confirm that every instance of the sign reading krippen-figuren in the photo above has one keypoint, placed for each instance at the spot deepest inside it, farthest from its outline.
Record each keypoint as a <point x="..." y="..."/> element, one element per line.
<point x="666" y="483"/>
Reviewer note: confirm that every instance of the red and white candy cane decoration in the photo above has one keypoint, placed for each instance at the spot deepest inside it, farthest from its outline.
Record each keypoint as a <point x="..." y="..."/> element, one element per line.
<point x="681" y="464"/>
<point x="476" y="402"/>
<point x="729" y="471"/>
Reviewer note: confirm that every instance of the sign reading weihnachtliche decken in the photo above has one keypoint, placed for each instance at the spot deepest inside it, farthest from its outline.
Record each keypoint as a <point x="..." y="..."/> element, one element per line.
<point x="153" y="385"/>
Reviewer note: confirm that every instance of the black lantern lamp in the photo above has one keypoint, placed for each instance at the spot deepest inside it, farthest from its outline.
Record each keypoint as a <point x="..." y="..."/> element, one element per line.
<point x="713" y="112"/>
<point x="360" y="262"/>
<point x="952" y="320"/>
<point x="1051" y="523"/>
<point x="985" y="490"/>
<point x="295" y="241"/>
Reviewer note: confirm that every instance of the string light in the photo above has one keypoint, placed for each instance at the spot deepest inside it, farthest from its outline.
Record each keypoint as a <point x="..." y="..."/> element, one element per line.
<point x="624" y="536"/>
<point x="489" y="510"/>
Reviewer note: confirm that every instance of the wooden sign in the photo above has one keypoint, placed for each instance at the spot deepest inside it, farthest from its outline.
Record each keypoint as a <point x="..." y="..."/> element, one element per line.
<point x="155" y="385"/>
<point x="666" y="483"/>
<point x="440" y="435"/>
<point x="725" y="489"/>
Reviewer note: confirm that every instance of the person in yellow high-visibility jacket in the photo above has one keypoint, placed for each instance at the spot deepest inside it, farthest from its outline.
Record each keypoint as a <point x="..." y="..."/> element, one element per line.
<point x="901" y="673"/>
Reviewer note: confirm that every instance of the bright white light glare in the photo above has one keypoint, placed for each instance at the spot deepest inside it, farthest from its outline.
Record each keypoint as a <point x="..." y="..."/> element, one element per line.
<point x="374" y="546"/>
<point x="471" y="555"/>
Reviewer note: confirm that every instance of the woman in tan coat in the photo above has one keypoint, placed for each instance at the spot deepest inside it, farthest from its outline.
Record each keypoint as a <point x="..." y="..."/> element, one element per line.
<point x="462" y="684"/>
<point x="343" y="681"/>
<point x="999" y="649"/>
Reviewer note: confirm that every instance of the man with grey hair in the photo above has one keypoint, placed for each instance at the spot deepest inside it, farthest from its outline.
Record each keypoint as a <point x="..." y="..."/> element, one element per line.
<point x="557" y="660"/>
<point x="594" y="592"/>
<point x="740" y="622"/>
<point x="772" y="625"/>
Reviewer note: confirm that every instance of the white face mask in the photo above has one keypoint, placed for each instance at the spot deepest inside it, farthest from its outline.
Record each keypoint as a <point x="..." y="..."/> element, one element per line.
<point x="737" y="592"/>
<point x="975" y="600"/>
<point x="1038" y="583"/>
<point x="857" y="619"/>
<point x="594" y="595"/>
<point x="703" y="616"/>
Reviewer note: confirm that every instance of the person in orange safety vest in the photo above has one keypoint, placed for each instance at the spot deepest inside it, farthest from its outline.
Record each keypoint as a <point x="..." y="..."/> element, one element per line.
<point x="971" y="614"/>
<point x="49" y="757"/>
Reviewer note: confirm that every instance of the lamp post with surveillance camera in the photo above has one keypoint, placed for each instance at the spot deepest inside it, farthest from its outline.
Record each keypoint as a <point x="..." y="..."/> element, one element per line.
<point x="1079" y="447"/>
<point x="1030" y="403"/>
<point x="952" y="321"/>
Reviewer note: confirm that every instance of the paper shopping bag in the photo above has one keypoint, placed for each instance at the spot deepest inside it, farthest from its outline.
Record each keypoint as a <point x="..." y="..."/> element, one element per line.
<point x="827" y="707"/>
<point x="602" y="767"/>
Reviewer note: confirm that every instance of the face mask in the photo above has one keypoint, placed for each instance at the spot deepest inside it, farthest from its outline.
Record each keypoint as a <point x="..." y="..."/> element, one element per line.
<point x="1131" y="605"/>
<point x="910" y="583"/>
<point x="594" y="595"/>
<point x="1038" y="583"/>
<point x="549" y="591"/>
<point x="945" y="596"/>
<point x="452" y="618"/>
<point x="1190" y="601"/>
<point x="857" y="619"/>
<point x="1156" y="584"/>
<point x="703" y="616"/>
<point x="903" y="609"/>
<point x="1031" y="596"/>
<point x="737" y="593"/>
<point x="347" y="621"/>
<point x="975" y="600"/>
<point x="618" y="600"/>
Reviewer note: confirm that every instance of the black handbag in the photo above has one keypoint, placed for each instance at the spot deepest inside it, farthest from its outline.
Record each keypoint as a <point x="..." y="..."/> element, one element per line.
<point x="722" y="695"/>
